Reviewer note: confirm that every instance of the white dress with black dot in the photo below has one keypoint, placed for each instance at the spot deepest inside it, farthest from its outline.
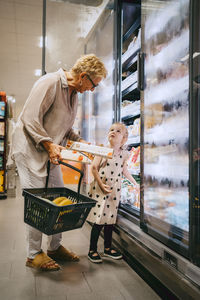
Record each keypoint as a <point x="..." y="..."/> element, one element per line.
<point x="105" y="211"/>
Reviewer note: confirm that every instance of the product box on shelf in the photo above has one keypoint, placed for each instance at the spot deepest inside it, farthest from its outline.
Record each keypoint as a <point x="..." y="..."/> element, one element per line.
<point x="2" y="109"/>
<point x="1" y="161"/>
<point x="2" y="128"/>
<point x="1" y="146"/>
<point x="134" y="161"/>
<point x="1" y="181"/>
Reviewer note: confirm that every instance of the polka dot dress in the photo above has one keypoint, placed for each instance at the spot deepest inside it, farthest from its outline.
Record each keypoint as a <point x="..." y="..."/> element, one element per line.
<point x="105" y="211"/>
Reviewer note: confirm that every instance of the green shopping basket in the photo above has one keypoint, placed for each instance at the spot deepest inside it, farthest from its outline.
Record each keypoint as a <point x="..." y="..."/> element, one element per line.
<point x="41" y="213"/>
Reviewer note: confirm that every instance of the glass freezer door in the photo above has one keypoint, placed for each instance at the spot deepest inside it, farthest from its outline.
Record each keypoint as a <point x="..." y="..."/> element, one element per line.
<point x="165" y="115"/>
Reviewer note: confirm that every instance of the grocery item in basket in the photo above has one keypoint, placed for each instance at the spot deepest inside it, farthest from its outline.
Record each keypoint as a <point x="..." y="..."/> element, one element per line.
<point x="66" y="201"/>
<point x="58" y="200"/>
<point x="86" y="148"/>
<point x="61" y="201"/>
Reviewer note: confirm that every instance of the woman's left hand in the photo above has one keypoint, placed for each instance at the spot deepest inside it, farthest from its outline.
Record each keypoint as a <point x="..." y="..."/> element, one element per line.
<point x="54" y="152"/>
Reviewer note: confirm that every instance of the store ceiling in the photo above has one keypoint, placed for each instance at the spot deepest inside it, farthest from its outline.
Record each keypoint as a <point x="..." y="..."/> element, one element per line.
<point x="21" y="31"/>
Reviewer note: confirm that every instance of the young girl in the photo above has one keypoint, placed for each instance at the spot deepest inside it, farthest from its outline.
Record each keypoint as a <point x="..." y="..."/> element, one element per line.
<point x="106" y="190"/>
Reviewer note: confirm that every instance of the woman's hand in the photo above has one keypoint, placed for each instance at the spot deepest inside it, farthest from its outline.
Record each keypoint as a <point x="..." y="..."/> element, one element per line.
<point x="54" y="152"/>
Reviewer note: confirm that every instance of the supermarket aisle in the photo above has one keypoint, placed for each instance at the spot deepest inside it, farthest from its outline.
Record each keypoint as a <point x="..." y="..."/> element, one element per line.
<point x="76" y="281"/>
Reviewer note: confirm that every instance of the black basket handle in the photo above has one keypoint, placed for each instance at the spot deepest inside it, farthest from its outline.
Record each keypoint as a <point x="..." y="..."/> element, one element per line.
<point x="70" y="166"/>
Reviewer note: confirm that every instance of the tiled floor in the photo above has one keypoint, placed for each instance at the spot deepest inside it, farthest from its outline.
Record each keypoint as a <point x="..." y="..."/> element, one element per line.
<point x="83" y="280"/>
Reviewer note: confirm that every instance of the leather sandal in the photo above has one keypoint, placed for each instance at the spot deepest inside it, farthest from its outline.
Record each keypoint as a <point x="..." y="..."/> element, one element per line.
<point x="63" y="254"/>
<point x="42" y="262"/>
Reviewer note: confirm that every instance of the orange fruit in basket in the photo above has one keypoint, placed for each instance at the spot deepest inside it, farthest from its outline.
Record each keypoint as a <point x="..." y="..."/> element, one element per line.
<point x="65" y="202"/>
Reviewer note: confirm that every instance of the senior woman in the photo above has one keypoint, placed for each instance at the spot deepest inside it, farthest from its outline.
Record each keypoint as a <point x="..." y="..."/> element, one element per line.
<point x="42" y="129"/>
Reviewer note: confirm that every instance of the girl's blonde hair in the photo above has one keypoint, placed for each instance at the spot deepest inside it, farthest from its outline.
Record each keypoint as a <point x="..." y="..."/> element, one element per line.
<point x="90" y="64"/>
<point x="125" y="131"/>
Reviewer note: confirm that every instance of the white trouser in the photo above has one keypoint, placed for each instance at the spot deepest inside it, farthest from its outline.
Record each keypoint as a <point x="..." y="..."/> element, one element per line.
<point x="29" y="180"/>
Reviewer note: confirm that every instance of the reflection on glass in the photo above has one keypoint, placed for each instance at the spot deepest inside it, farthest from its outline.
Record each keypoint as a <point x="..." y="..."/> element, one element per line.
<point x="98" y="105"/>
<point x="68" y="24"/>
<point x="68" y="28"/>
<point x="166" y="118"/>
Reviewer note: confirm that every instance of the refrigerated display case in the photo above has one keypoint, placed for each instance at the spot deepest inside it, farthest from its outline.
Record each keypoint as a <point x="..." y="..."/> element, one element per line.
<point x="166" y="122"/>
<point x="167" y="219"/>
<point x="154" y="55"/>
<point x="129" y="96"/>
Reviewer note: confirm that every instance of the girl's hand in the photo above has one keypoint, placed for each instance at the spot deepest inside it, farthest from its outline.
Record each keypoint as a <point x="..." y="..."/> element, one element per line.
<point x="105" y="188"/>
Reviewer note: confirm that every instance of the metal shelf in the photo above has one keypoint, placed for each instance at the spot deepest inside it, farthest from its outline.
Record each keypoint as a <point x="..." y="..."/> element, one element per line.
<point x="130" y="60"/>
<point x="132" y="116"/>
<point x="131" y="92"/>
<point x="134" y="27"/>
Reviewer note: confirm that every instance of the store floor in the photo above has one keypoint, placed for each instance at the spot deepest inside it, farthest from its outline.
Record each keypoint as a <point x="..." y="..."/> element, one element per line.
<point x="83" y="280"/>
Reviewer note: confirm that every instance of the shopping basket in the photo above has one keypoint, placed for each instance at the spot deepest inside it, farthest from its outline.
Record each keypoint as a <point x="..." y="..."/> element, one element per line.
<point x="41" y="213"/>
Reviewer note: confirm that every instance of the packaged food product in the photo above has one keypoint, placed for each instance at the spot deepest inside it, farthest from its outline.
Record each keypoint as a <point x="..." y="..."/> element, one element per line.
<point x="129" y="194"/>
<point x="134" y="161"/>
<point x="134" y="129"/>
<point x="76" y="156"/>
<point x="93" y="149"/>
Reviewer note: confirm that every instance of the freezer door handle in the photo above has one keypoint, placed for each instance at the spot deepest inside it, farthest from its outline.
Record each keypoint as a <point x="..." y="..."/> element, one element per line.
<point x="140" y="68"/>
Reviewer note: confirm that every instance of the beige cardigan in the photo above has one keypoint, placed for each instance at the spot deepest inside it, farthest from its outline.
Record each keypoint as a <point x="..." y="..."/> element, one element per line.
<point x="48" y="115"/>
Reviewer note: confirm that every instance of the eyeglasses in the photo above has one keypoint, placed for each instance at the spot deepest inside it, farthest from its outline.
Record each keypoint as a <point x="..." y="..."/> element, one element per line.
<point x="92" y="82"/>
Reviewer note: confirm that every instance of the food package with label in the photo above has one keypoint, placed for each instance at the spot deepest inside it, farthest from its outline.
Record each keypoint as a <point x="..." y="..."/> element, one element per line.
<point x="2" y="174"/>
<point x="2" y="109"/>
<point x="2" y="128"/>
<point x="129" y="194"/>
<point x="134" y="130"/>
<point x="87" y="149"/>
<point x="76" y="156"/>
<point x="134" y="161"/>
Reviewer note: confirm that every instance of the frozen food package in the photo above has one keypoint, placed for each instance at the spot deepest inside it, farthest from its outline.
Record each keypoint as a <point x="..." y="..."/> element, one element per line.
<point x="76" y="156"/>
<point x="129" y="194"/>
<point x="134" y="161"/>
<point x="134" y="129"/>
<point x="93" y="149"/>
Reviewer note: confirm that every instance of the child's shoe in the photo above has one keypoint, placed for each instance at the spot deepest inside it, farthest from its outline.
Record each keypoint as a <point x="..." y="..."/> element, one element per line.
<point x="94" y="258"/>
<point x="115" y="255"/>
